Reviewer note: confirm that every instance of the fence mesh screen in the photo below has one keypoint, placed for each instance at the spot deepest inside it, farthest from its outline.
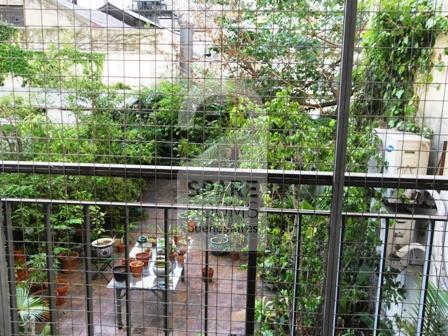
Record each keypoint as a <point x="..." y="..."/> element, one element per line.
<point x="223" y="167"/>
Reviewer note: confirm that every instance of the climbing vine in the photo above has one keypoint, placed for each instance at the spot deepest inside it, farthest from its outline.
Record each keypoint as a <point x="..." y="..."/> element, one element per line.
<point x="398" y="48"/>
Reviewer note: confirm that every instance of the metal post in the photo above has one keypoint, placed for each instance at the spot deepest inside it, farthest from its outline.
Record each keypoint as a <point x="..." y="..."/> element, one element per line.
<point x="425" y="280"/>
<point x="298" y="235"/>
<point x="206" y="276"/>
<point x="252" y="258"/>
<point x="50" y="270"/>
<point x="186" y="48"/>
<point x="336" y="225"/>
<point x="88" y="267"/>
<point x="5" y="318"/>
<point x="379" y="287"/>
<point x="126" y="257"/>
<point x="11" y="271"/>
<point x="167" y="278"/>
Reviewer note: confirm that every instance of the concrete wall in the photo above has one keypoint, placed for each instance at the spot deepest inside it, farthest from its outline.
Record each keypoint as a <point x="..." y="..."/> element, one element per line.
<point x="136" y="57"/>
<point x="433" y="104"/>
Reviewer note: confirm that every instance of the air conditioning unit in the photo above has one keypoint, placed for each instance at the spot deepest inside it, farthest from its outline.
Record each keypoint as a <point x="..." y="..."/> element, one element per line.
<point x="402" y="250"/>
<point x="404" y="153"/>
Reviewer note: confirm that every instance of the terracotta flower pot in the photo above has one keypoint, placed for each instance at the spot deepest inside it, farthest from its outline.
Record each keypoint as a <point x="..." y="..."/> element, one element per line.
<point x="181" y="258"/>
<point x="21" y="274"/>
<point x="61" y="291"/>
<point x="172" y="256"/>
<point x="136" y="268"/>
<point x="120" y="247"/>
<point x="153" y="241"/>
<point x="19" y="256"/>
<point x="69" y="262"/>
<point x="143" y="256"/>
<point x="191" y="224"/>
<point x="207" y="275"/>
<point x="182" y="250"/>
<point x="176" y="239"/>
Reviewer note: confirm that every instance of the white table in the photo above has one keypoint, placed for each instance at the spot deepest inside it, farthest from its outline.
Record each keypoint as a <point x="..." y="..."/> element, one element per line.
<point x="149" y="280"/>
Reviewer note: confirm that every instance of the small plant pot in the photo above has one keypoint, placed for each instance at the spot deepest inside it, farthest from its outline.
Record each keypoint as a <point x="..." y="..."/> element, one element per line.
<point x="144" y="256"/>
<point x="136" y="268"/>
<point x="61" y="291"/>
<point x="219" y="244"/>
<point x="69" y="262"/>
<point x="21" y="274"/>
<point x="207" y="274"/>
<point x="176" y="239"/>
<point x="19" y="257"/>
<point x="120" y="248"/>
<point x="120" y="273"/>
<point x="182" y="250"/>
<point x="153" y="241"/>
<point x="159" y="268"/>
<point x="191" y="225"/>
<point x="181" y="258"/>
<point x="103" y="247"/>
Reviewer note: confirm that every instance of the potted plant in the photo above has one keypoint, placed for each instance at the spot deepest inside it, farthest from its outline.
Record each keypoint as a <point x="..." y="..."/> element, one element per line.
<point x="152" y="240"/>
<point x="136" y="268"/>
<point x="37" y="275"/>
<point x="207" y="274"/>
<point x="176" y="234"/>
<point x="219" y="244"/>
<point x="238" y="241"/>
<point x="31" y="309"/>
<point x="68" y="258"/>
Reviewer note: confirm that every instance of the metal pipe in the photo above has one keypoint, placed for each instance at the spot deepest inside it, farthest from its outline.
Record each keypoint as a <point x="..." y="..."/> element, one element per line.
<point x="336" y="225"/>
<point x="167" y="278"/>
<point x="5" y="317"/>
<point x="252" y="258"/>
<point x="425" y="280"/>
<point x="295" y="302"/>
<point x="431" y="182"/>
<point x="88" y="275"/>
<point x="379" y="288"/>
<point x="11" y="271"/>
<point x="126" y="258"/>
<point x="50" y="270"/>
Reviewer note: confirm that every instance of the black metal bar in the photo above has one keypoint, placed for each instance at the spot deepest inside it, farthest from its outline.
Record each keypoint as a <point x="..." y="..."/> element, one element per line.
<point x="283" y="211"/>
<point x="5" y="317"/>
<point x="206" y="275"/>
<point x="126" y="258"/>
<point x="88" y="275"/>
<point x="425" y="280"/>
<point x="50" y="270"/>
<point x="166" y="228"/>
<point x="432" y="182"/>
<point x="379" y="288"/>
<point x="295" y="302"/>
<point x="336" y="225"/>
<point x="252" y="258"/>
<point x="11" y="271"/>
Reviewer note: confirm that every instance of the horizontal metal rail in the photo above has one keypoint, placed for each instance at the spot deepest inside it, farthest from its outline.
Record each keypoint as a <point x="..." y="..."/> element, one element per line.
<point x="285" y="211"/>
<point x="432" y="182"/>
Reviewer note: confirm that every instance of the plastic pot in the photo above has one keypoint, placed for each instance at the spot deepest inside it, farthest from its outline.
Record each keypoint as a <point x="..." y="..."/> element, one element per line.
<point x="120" y="273"/>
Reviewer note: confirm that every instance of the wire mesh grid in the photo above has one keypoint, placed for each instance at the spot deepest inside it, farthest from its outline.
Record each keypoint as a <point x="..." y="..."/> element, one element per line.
<point x="223" y="167"/>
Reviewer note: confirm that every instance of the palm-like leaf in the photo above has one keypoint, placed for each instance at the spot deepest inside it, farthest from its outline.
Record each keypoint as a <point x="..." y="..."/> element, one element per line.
<point x="30" y="308"/>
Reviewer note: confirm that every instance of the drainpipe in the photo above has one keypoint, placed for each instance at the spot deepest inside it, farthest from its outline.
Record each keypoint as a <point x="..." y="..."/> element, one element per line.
<point x="186" y="49"/>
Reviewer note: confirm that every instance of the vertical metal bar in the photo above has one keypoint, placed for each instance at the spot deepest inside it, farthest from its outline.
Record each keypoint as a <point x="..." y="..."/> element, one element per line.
<point x="88" y="267"/>
<point x="335" y="232"/>
<point x="206" y="274"/>
<point x="5" y="317"/>
<point x="50" y="270"/>
<point x="11" y="271"/>
<point x="425" y="280"/>
<point x="295" y="302"/>
<point x="379" y="287"/>
<point x="167" y="278"/>
<point x="252" y="258"/>
<point x="126" y="257"/>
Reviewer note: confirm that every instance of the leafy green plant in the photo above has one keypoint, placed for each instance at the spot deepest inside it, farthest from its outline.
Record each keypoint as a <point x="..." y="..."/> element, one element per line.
<point x="30" y="310"/>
